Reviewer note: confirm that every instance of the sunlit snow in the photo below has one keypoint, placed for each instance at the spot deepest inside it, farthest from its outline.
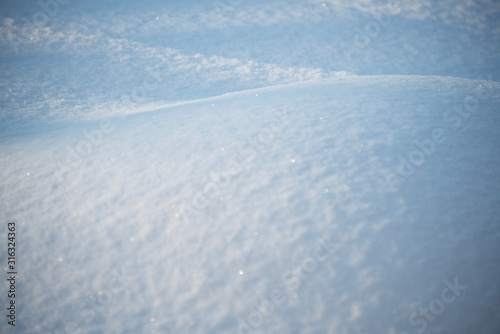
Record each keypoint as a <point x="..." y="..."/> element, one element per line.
<point x="251" y="166"/>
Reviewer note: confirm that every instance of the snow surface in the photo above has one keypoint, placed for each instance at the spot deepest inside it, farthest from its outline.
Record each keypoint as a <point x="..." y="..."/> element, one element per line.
<point x="183" y="168"/>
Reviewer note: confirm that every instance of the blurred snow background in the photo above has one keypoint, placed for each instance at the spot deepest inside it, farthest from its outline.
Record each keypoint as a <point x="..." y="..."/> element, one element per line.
<point x="185" y="167"/>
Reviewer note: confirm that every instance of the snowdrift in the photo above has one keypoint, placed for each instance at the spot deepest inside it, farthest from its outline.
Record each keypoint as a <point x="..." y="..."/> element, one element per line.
<point x="349" y="205"/>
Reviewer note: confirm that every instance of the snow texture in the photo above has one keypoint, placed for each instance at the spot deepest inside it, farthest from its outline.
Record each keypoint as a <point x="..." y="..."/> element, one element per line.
<point x="251" y="167"/>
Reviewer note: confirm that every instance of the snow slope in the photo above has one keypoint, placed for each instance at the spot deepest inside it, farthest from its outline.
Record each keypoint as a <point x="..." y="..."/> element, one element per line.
<point x="92" y="58"/>
<point x="295" y="166"/>
<point x="251" y="167"/>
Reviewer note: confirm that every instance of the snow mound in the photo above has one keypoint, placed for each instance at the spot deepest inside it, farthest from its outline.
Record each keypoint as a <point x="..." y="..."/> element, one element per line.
<point x="334" y="206"/>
